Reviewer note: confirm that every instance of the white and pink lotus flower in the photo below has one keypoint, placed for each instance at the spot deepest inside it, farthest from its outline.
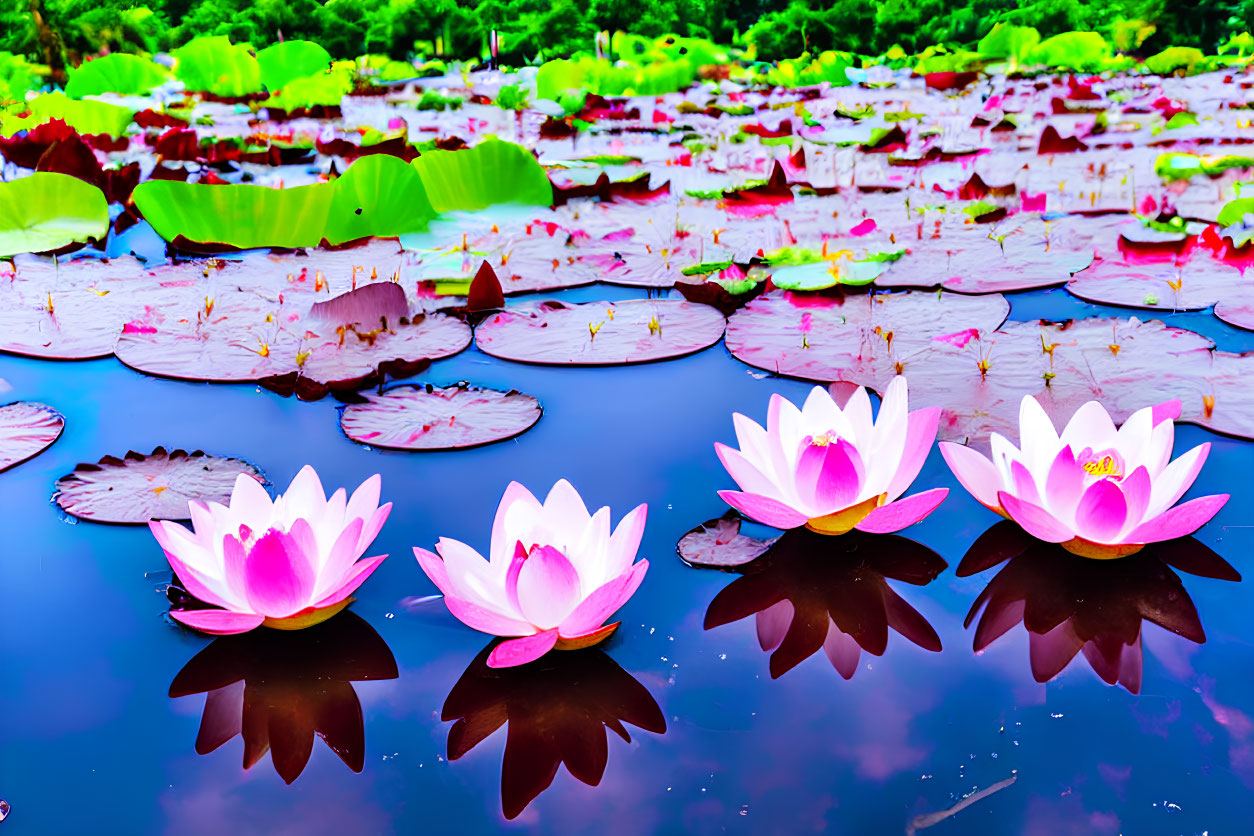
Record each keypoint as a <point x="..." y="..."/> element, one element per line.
<point x="289" y="563"/>
<point x="554" y="576"/>
<point x="832" y="469"/>
<point x="1099" y="491"/>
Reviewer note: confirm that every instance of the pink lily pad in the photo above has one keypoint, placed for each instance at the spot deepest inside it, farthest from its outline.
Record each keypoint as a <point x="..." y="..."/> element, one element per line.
<point x="138" y="488"/>
<point x="719" y="544"/>
<point x="823" y="338"/>
<point x="26" y="430"/>
<point x="290" y="347"/>
<point x="1021" y="253"/>
<point x="1199" y="282"/>
<point x="448" y="418"/>
<point x="74" y="311"/>
<point x="600" y="333"/>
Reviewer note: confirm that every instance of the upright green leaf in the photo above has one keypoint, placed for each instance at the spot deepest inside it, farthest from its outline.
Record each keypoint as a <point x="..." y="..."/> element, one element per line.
<point x="492" y="172"/>
<point x="48" y="211"/>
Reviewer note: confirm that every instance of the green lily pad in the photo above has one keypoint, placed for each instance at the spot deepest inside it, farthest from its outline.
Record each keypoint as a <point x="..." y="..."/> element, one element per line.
<point x="48" y="211"/>
<point x="86" y="117"/>
<point x="1073" y="50"/>
<point x="379" y="195"/>
<point x="126" y="75"/>
<point x="215" y="65"/>
<point x="490" y="173"/>
<point x="1174" y="58"/>
<point x="283" y="63"/>
<point x="1010" y="42"/>
<point x="245" y="217"/>
<point x="325" y="89"/>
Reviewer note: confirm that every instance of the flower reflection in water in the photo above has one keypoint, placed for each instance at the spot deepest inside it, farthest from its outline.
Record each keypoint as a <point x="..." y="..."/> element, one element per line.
<point x="1071" y="605"/>
<point x="557" y="707"/>
<point x="809" y="592"/>
<point x="277" y="689"/>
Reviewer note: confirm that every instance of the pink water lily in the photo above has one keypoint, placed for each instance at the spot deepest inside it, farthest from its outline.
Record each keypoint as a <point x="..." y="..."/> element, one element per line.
<point x="554" y="576"/>
<point x="288" y="563"/>
<point x="833" y="469"/>
<point x="1101" y="492"/>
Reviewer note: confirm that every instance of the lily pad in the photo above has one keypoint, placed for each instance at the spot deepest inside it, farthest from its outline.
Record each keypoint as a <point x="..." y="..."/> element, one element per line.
<point x="26" y="430"/>
<point x="287" y="61"/>
<point x="447" y="418"/>
<point x="126" y="75"/>
<point x="246" y="337"/>
<point x="600" y="333"/>
<point x="215" y="65"/>
<point x="379" y="195"/>
<point x="824" y="338"/>
<point x="86" y="117"/>
<point x="158" y="486"/>
<point x="47" y="211"/>
<point x="492" y="172"/>
<point x="719" y="544"/>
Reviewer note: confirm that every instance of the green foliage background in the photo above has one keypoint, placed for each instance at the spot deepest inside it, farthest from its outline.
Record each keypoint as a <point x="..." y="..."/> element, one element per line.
<point x="534" y="29"/>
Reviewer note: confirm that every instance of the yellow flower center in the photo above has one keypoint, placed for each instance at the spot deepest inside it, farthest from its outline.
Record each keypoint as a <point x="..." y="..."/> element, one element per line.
<point x="1105" y="466"/>
<point x="823" y="440"/>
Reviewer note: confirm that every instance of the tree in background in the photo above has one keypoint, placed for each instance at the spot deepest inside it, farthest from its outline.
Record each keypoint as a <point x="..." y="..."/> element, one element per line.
<point x="539" y="29"/>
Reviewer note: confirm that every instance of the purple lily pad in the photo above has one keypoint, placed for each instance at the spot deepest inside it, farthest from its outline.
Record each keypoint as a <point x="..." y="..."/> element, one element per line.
<point x="600" y="333"/>
<point x="1022" y="253"/>
<point x="74" y="311"/>
<point x="138" y="488"/>
<point x="26" y="430"/>
<point x="1198" y="283"/>
<point x="719" y="544"/>
<point x="448" y="418"/>
<point x="1125" y="364"/>
<point x="342" y="344"/>
<point x="825" y="338"/>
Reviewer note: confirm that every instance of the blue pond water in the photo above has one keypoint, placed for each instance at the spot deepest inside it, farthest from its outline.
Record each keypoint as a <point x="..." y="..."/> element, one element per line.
<point x="92" y="742"/>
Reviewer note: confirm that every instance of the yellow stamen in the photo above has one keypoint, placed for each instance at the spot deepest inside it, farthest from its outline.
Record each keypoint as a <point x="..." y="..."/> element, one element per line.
<point x="1105" y="466"/>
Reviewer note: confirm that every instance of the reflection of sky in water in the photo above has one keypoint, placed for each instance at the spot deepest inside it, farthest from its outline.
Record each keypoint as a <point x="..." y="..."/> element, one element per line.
<point x="93" y="743"/>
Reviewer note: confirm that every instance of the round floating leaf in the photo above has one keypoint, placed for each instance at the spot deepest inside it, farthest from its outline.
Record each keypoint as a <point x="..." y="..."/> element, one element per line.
<point x="215" y="65"/>
<point x="287" y="61"/>
<point x="126" y="75"/>
<point x="47" y="211"/>
<point x="492" y="172"/>
<point x="158" y="486"/>
<point x="449" y="418"/>
<point x="600" y="333"/>
<point x="247" y="337"/>
<point x="26" y="430"/>
<point x="823" y="338"/>
<point x="719" y="544"/>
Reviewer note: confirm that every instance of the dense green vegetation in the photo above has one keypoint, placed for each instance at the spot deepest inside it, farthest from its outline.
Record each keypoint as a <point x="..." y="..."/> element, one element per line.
<point x="61" y="32"/>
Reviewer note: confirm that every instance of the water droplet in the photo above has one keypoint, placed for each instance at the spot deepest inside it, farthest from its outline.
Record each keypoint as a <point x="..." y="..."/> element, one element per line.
<point x="670" y="507"/>
<point x="389" y="615"/>
<point x="722" y="655"/>
<point x="4" y="809"/>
